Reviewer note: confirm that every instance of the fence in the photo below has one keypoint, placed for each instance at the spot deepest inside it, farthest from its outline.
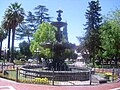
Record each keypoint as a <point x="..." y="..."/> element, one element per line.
<point x="38" y="76"/>
<point x="53" y="77"/>
<point x="6" y="66"/>
<point x="115" y="73"/>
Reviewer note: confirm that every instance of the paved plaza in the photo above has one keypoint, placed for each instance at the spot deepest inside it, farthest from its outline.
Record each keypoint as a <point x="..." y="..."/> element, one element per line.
<point x="11" y="85"/>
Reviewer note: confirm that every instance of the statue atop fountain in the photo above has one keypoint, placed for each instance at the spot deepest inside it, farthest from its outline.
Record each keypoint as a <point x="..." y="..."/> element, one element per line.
<point x="59" y="24"/>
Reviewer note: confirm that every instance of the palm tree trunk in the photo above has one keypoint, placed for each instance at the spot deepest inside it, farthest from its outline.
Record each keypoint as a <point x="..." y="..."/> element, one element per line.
<point x="13" y="38"/>
<point x="8" y="51"/>
<point x="0" y="48"/>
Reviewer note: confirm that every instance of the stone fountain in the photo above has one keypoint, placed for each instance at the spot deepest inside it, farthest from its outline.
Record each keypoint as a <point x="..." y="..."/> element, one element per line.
<point x="57" y="69"/>
<point x="58" y="47"/>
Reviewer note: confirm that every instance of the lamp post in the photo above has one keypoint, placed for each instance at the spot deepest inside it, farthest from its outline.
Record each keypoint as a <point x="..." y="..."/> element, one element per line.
<point x="4" y="55"/>
<point x="37" y="52"/>
<point x="90" y="76"/>
<point x="3" y="64"/>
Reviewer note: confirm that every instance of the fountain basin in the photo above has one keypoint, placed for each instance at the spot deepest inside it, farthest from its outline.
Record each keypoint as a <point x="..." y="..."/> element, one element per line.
<point x="76" y="75"/>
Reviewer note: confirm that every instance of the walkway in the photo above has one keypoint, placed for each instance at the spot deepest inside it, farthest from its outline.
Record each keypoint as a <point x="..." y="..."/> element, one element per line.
<point x="11" y="85"/>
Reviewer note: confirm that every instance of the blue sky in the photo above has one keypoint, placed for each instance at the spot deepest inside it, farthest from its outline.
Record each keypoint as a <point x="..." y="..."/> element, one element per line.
<point x="73" y="12"/>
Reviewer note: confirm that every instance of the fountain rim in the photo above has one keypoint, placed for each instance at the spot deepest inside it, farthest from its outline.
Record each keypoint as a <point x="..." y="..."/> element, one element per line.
<point x="59" y="24"/>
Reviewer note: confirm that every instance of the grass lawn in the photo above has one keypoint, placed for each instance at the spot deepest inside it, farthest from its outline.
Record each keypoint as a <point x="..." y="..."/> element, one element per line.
<point x="28" y="79"/>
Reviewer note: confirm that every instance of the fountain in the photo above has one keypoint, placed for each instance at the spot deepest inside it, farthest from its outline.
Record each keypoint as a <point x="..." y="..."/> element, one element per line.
<point x="58" y="69"/>
<point x="58" y="47"/>
<point x="59" y="24"/>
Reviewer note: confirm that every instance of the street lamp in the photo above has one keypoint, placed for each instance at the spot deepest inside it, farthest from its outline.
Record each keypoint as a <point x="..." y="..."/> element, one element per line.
<point x="37" y="52"/>
<point x="4" y="55"/>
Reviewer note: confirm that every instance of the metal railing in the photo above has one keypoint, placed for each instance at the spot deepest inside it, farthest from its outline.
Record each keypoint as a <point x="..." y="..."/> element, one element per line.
<point x="51" y="77"/>
<point x="55" y="77"/>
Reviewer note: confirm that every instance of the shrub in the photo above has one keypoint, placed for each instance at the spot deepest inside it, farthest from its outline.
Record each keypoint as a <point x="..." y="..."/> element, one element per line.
<point x="36" y="81"/>
<point x="41" y="80"/>
<point x="110" y="75"/>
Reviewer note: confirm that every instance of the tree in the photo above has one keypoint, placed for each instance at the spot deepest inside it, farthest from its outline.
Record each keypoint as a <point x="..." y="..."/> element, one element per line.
<point x="27" y="28"/>
<point x="14" y="15"/>
<point x="69" y="54"/>
<point x="41" y="14"/>
<point x="25" y="49"/>
<point x="110" y="35"/>
<point x="6" y="25"/>
<point x="44" y="33"/>
<point x="3" y="35"/>
<point x="23" y="32"/>
<point x="92" y="39"/>
<point x="32" y="21"/>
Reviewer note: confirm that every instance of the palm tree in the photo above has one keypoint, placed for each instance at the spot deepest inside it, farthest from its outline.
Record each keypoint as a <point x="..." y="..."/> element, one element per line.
<point x="6" y="25"/>
<point x="13" y="16"/>
<point x="3" y="35"/>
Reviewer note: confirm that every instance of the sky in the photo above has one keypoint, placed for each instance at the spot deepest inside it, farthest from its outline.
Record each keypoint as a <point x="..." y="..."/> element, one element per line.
<point x="73" y="13"/>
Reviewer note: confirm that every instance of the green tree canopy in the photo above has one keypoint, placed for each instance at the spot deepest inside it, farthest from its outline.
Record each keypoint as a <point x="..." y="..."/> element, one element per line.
<point x="110" y="35"/>
<point x="44" y="33"/>
<point x="24" y="49"/>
